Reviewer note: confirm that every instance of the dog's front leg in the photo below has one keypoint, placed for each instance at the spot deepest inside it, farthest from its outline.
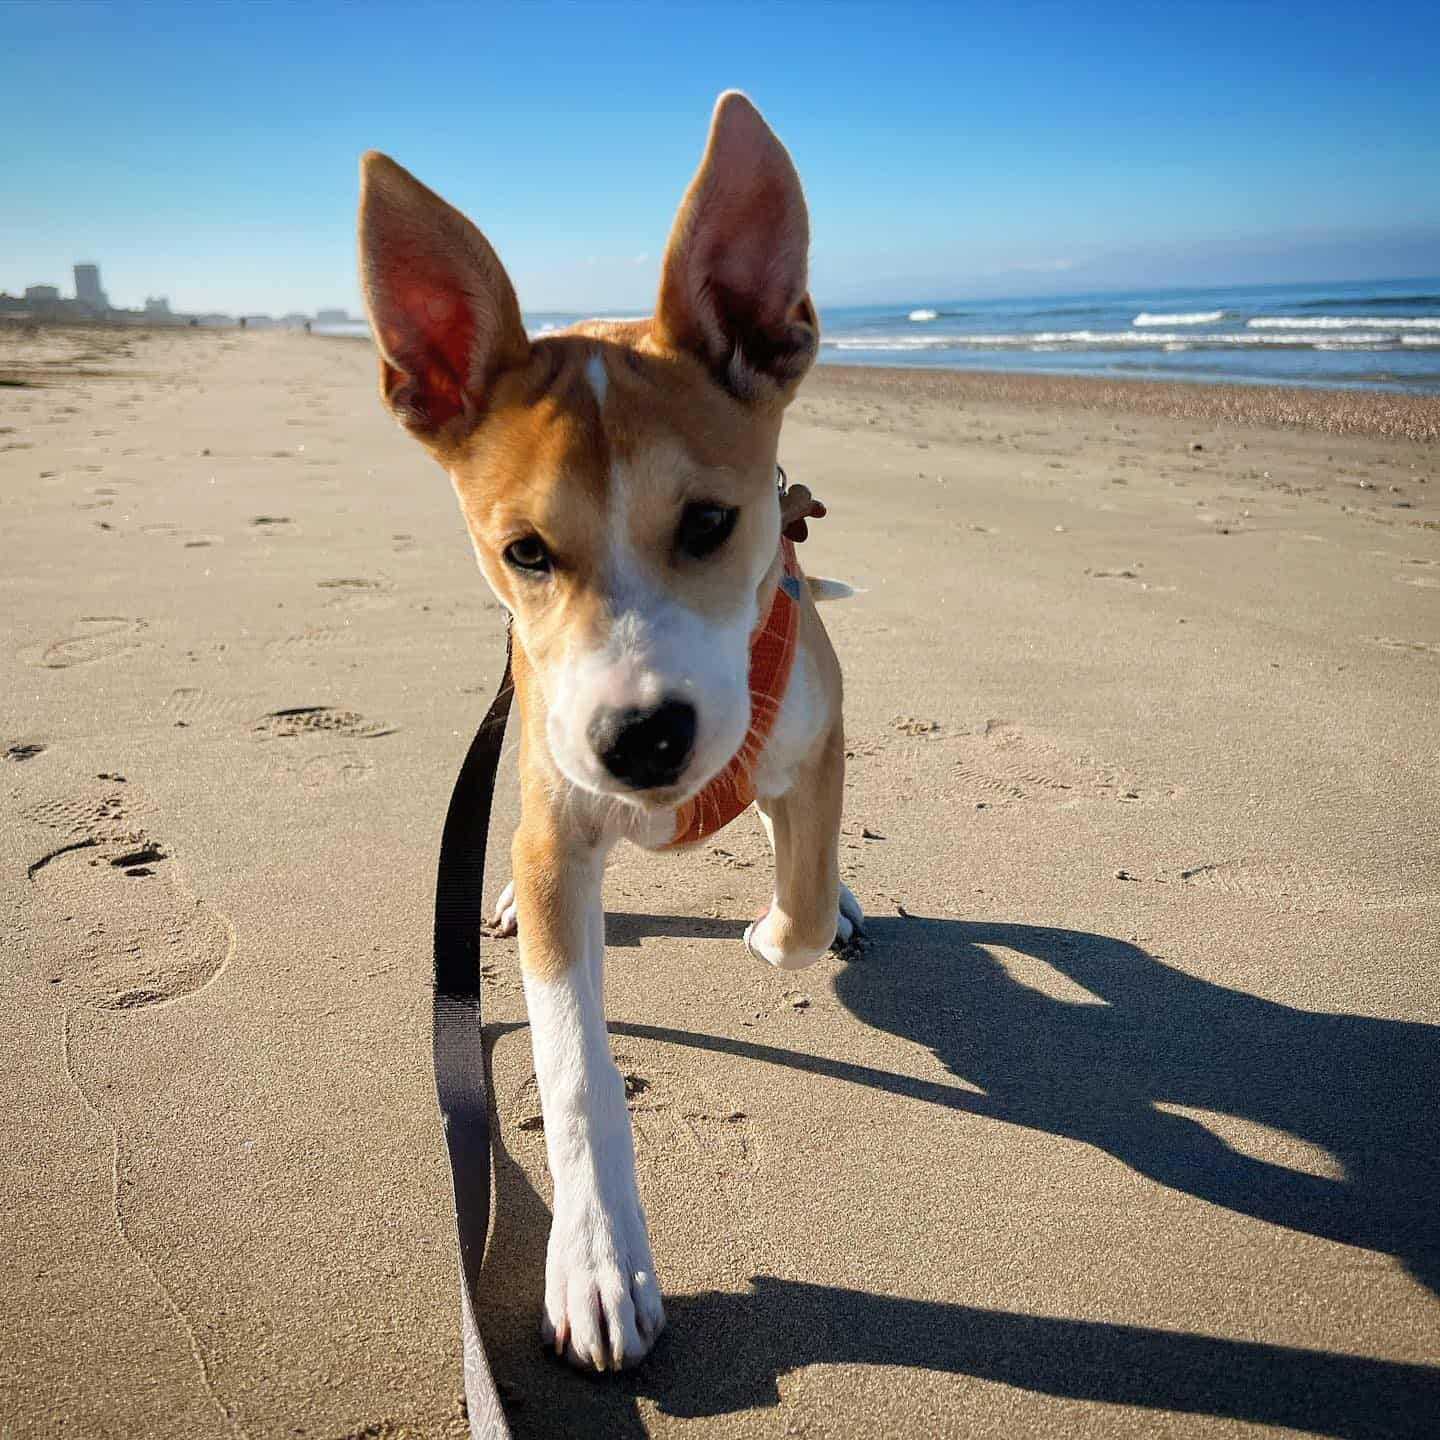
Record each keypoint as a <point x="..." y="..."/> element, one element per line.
<point x="602" y="1302"/>
<point x="811" y="908"/>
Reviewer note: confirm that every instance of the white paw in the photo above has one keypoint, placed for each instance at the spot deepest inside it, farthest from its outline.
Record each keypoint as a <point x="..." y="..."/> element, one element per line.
<point x="775" y="940"/>
<point x="602" y="1301"/>
<point x="503" y="916"/>
<point x="852" y="918"/>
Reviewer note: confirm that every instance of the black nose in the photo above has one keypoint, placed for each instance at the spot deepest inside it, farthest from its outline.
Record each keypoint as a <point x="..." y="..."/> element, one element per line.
<point x="644" y="748"/>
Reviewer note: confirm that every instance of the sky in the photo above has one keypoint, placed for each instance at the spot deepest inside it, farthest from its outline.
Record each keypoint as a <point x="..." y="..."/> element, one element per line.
<point x="207" y="151"/>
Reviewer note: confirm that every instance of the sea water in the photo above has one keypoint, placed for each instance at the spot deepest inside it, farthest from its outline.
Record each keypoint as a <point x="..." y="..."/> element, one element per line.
<point x="1371" y="335"/>
<point x="1375" y="336"/>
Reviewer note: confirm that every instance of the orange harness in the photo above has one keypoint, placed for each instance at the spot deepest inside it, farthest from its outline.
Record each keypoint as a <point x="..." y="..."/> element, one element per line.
<point x="772" y="655"/>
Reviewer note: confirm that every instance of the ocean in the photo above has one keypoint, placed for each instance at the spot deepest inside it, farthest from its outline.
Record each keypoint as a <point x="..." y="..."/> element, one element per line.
<point x="1366" y="335"/>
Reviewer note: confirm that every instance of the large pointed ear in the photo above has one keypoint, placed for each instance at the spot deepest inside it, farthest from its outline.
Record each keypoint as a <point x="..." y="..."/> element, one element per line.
<point x="733" y="283"/>
<point x="441" y="306"/>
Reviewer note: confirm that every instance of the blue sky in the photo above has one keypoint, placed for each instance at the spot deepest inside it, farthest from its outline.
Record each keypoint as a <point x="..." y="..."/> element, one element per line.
<point x="207" y="151"/>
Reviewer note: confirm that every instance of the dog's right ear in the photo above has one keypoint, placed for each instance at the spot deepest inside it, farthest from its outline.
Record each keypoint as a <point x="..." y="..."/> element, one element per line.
<point x="441" y="306"/>
<point x="733" y="281"/>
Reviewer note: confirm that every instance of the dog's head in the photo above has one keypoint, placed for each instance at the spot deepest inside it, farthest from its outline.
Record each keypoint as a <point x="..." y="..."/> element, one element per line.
<point x="618" y="480"/>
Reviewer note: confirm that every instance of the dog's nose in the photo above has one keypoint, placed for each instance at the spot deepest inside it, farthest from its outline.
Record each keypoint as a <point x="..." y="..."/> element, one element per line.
<point x="645" y="748"/>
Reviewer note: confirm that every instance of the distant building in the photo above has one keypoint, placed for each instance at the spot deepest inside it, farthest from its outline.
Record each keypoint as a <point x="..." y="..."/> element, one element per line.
<point x="87" y="287"/>
<point x="157" y="306"/>
<point x="42" y="294"/>
<point x="331" y="317"/>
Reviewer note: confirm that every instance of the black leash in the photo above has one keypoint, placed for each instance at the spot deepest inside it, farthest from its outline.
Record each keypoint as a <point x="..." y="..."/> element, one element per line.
<point x="458" y="1040"/>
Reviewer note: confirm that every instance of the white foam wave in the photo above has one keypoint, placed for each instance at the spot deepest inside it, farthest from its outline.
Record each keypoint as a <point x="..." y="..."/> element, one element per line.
<point x="1116" y="340"/>
<point x="1185" y="317"/>
<point x="922" y="315"/>
<point x="1344" y="322"/>
<point x="1341" y="342"/>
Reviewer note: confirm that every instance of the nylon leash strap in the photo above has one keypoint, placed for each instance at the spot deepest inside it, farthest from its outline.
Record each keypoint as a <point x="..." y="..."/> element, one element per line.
<point x="457" y="1037"/>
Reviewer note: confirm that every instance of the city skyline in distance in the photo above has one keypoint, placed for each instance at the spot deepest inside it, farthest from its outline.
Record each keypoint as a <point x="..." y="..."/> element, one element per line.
<point x="90" y="302"/>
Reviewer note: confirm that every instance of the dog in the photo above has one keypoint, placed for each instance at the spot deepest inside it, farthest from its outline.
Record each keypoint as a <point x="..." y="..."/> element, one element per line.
<point x="618" y="481"/>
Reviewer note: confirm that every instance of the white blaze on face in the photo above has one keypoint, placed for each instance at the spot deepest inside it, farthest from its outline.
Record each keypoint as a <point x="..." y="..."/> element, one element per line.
<point x="595" y="375"/>
<point x="655" y="648"/>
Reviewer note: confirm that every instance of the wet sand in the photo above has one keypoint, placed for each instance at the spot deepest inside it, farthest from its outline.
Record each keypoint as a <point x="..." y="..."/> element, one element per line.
<point x="1391" y="414"/>
<point x="1122" y="1124"/>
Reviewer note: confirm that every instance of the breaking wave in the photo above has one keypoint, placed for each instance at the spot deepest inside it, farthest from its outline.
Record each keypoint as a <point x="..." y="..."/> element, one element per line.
<point x="1344" y="322"/>
<point x="1192" y="317"/>
<point x="1122" y="340"/>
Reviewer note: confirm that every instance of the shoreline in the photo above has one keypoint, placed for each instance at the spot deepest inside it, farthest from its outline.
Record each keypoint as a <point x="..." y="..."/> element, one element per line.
<point x="1387" y="414"/>
<point x="1382" y="414"/>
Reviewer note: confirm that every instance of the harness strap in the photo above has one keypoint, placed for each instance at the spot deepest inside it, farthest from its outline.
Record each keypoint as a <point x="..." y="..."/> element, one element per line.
<point x="457" y="1036"/>
<point x="772" y="657"/>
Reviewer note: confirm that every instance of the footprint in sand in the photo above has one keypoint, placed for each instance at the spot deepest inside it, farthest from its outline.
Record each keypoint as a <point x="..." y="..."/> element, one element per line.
<point x="104" y="815"/>
<point x="131" y="934"/>
<point x="1384" y="880"/>
<point x="190" y="705"/>
<point x="94" y="637"/>
<point x="1002" y="763"/>
<point x="312" y="637"/>
<point x="344" y="767"/>
<point x="668" y="1116"/>
<point x="308" y="720"/>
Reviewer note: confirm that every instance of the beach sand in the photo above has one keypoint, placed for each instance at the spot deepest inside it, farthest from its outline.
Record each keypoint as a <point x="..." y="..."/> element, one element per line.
<point x="1123" y="1123"/>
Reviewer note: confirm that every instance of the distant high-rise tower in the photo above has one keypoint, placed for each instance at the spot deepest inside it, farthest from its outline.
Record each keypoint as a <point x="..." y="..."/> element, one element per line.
<point x="87" y="287"/>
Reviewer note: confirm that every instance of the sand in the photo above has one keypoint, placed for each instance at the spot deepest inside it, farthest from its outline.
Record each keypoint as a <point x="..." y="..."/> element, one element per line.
<point x="1124" y="1123"/>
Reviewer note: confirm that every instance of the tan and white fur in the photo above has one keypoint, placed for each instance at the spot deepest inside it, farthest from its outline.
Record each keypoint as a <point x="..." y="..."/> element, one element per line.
<point x="586" y="464"/>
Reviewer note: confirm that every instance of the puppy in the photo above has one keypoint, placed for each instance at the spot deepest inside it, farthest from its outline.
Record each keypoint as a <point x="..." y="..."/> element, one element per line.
<point x="618" y="481"/>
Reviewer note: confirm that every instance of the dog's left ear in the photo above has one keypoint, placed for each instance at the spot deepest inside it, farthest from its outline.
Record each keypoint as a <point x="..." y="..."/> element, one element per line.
<point x="442" y="308"/>
<point x="733" y="282"/>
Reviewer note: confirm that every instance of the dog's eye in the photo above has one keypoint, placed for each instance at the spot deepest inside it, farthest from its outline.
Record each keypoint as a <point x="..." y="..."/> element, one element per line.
<point x="528" y="554"/>
<point x="704" y="529"/>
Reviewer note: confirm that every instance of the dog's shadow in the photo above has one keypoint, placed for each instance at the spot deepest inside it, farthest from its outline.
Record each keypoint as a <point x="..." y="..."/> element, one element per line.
<point x="1092" y="1067"/>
